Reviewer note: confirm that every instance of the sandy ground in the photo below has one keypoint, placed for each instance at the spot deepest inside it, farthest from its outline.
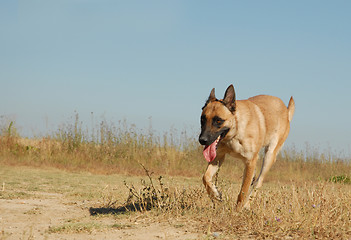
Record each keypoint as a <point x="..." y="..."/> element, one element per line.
<point x="39" y="216"/>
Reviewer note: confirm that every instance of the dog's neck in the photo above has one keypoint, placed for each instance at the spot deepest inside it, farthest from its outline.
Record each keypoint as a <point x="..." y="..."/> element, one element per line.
<point x="238" y="123"/>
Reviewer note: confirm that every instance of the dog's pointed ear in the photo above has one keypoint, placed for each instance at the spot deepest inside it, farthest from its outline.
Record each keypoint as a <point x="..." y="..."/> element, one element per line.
<point x="229" y="98"/>
<point x="211" y="98"/>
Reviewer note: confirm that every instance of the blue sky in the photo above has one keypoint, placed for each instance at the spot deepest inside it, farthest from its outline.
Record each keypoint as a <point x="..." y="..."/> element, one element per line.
<point x="139" y="59"/>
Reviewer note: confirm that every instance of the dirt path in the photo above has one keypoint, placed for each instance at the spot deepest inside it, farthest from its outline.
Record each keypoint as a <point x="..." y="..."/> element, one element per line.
<point x="51" y="216"/>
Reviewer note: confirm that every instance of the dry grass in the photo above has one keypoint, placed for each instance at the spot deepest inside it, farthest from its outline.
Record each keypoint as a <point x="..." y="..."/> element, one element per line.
<point x="289" y="210"/>
<point x="109" y="149"/>
<point x="305" y="195"/>
<point x="297" y="210"/>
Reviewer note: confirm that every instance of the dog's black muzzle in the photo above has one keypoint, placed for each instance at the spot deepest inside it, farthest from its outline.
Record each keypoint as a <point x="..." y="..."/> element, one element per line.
<point x="207" y="138"/>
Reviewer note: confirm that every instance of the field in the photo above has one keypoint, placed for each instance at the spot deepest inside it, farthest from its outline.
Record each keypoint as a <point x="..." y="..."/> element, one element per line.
<point x="120" y="183"/>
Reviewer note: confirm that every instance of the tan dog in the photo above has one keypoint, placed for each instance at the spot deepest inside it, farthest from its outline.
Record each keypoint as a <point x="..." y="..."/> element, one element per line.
<point x="241" y="128"/>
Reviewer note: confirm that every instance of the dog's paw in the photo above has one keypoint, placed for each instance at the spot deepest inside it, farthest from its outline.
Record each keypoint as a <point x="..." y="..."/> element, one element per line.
<point x="243" y="205"/>
<point x="215" y="195"/>
<point x="247" y="205"/>
<point x="239" y="205"/>
<point x="220" y="197"/>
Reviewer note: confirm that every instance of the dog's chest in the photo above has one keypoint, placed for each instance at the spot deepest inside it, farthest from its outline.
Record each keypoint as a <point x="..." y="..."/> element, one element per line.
<point x="236" y="149"/>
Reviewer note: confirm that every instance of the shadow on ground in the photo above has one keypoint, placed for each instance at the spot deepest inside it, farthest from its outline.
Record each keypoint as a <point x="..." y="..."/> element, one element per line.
<point x="130" y="207"/>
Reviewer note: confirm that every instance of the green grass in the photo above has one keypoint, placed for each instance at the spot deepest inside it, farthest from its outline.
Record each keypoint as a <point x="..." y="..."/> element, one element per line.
<point x="341" y="179"/>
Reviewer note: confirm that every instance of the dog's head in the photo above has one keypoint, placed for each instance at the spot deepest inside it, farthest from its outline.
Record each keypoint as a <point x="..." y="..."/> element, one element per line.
<point x="216" y="121"/>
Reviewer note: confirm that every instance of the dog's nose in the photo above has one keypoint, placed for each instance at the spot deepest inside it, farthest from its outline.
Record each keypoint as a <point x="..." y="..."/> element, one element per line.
<point x="203" y="139"/>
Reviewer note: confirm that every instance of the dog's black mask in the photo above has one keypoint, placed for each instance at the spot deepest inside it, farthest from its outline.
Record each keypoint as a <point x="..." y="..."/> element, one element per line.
<point x="207" y="137"/>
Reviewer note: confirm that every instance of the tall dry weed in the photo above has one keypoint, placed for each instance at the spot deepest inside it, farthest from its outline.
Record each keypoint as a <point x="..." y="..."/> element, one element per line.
<point x="108" y="148"/>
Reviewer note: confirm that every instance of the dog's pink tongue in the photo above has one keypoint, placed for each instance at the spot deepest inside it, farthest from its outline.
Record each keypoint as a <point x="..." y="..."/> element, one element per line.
<point x="210" y="152"/>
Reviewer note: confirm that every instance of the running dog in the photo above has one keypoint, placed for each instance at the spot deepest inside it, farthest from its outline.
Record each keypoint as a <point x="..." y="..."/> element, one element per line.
<point x="241" y="128"/>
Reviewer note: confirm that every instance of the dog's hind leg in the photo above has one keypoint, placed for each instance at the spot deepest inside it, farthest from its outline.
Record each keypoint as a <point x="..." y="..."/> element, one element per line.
<point x="212" y="169"/>
<point x="269" y="159"/>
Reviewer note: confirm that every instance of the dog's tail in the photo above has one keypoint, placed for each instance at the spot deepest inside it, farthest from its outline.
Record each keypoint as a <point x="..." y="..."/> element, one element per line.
<point x="291" y="108"/>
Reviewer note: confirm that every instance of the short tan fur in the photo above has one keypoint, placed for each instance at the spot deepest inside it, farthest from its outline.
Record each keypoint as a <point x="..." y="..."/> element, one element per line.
<point x="243" y="128"/>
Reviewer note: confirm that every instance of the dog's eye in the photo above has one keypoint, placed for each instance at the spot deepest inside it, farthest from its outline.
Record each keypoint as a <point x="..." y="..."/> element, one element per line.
<point x="217" y="121"/>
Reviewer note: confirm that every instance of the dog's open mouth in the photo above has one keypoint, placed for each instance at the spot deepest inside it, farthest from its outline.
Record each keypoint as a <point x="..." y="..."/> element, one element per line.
<point x="210" y="151"/>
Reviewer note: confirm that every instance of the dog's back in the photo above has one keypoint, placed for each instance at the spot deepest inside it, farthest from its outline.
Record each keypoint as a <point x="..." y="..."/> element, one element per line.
<point x="271" y="106"/>
<point x="277" y="116"/>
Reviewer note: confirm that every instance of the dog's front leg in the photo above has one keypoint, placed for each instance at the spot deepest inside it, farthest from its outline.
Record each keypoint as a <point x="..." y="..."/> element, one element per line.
<point x="212" y="169"/>
<point x="245" y="191"/>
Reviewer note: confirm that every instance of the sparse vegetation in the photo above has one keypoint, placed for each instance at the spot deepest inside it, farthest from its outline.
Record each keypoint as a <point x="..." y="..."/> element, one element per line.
<point x="341" y="179"/>
<point x="296" y="210"/>
<point x="306" y="194"/>
<point x="77" y="227"/>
